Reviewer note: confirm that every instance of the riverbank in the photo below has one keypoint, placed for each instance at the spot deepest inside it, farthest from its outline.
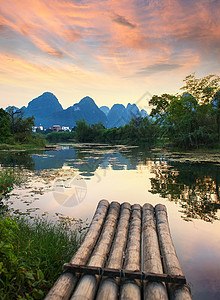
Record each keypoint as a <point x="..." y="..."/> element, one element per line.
<point x="29" y="266"/>
<point x="189" y="191"/>
<point x="8" y="178"/>
<point x="21" y="147"/>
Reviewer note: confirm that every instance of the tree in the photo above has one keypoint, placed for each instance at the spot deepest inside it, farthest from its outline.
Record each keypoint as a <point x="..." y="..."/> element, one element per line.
<point x="83" y="131"/>
<point x="216" y="106"/>
<point x="203" y="89"/>
<point x="5" y="132"/>
<point x="160" y="105"/>
<point x="15" y="128"/>
<point x="187" y="119"/>
<point x="21" y="128"/>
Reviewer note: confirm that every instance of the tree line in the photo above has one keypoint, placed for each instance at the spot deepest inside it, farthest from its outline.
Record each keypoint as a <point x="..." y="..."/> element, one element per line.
<point x="189" y="120"/>
<point x="14" y="129"/>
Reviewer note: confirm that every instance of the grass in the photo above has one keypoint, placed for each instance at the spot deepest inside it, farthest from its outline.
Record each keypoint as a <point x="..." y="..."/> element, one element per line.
<point x="32" y="252"/>
<point x="36" y="141"/>
<point x="9" y="177"/>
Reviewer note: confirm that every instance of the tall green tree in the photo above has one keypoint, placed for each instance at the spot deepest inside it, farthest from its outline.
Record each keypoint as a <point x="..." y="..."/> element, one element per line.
<point x="21" y="128"/>
<point x="160" y="105"/>
<point x="187" y="119"/>
<point x="203" y="89"/>
<point x="83" y="131"/>
<point x="5" y="131"/>
<point x="216" y="106"/>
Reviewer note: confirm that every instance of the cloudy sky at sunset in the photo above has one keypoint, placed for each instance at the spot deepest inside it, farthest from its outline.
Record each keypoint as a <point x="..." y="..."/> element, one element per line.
<point x="113" y="51"/>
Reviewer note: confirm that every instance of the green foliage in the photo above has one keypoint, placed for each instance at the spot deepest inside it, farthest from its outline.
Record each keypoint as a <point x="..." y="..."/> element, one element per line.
<point x="32" y="254"/>
<point x="216" y="106"/>
<point x="37" y="140"/>
<point x="15" y="130"/>
<point x="57" y="137"/>
<point x="160" y="103"/>
<point x="84" y="132"/>
<point x="9" y="177"/>
<point x="187" y="120"/>
<point x="203" y="89"/>
<point x="137" y="132"/>
<point x="5" y="132"/>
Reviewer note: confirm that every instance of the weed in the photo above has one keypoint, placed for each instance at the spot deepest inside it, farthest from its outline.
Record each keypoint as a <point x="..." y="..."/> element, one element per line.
<point x="32" y="252"/>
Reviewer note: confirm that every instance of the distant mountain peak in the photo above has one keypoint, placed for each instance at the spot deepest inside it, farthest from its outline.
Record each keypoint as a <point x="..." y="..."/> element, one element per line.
<point x="118" y="106"/>
<point x="42" y="108"/>
<point x="46" y="97"/>
<point x="48" y="93"/>
<point x="105" y="109"/>
<point x="87" y="99"/>
<point x="47" y="111"/>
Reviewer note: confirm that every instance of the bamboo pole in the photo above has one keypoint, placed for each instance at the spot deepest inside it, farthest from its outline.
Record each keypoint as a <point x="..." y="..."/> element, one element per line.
<point x="108" y="289"/>
<point x="64" y="286"/>
<point x="87" y="285"/>
<point x="151" y="255"/>
<point x="130" y="289"/>
<point x="170" y="261"/>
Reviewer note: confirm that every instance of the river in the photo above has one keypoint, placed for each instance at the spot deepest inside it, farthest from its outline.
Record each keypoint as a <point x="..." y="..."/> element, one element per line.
<point x="71" y="181"/>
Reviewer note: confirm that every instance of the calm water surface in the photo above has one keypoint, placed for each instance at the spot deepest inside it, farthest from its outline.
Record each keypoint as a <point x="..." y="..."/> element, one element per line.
<point x="72" y="180"/>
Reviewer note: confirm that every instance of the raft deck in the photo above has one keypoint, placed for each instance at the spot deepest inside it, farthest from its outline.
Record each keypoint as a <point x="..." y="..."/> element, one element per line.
<point x="127" y="253"/>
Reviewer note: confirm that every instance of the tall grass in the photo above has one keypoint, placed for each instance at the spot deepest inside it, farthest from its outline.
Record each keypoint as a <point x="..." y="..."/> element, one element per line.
<point x="9" y="177"/>
<point x="32" y="252"/>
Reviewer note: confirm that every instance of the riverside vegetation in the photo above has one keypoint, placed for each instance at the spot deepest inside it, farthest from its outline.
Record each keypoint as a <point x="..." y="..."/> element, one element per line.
<point x="32" y="250"/>
<point x="16" y="131"/>
<point x="9" y="177"/>
<point x="188" y="120"/>
<point x="28" y="267"/>
<point x="32" y="253"/>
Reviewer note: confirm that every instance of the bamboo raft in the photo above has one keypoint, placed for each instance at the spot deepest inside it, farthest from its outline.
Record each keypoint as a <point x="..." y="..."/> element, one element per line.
<point x="127" y="254"/>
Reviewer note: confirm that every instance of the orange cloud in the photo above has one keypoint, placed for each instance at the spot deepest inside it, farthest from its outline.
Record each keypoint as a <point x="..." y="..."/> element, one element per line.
<point x="111" y="38"/>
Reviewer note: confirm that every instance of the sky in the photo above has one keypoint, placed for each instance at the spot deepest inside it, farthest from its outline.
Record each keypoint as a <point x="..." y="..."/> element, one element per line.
<point x="113" y="51"/>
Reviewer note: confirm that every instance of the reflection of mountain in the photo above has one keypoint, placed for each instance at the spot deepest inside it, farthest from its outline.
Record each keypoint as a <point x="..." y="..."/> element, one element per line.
<point x="87" y="160"/>
<point x="194" y="186"/>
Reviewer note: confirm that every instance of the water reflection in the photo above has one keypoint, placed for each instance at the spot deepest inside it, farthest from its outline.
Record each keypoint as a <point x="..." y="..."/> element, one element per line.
<point x="128" y="174"/>
<point x="194" y="186"/>
<point x="85" y="158"/>
<point x="17" y="159"/>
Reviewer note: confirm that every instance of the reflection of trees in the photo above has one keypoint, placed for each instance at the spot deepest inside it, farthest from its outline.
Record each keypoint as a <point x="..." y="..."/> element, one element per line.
<point x="137" y="155"/>
<point x="194" y="186"/>
<point x="16" y="159"/>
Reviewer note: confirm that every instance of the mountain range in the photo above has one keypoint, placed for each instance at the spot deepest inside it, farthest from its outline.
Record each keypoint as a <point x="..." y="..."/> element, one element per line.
<point x="47" y="112"/>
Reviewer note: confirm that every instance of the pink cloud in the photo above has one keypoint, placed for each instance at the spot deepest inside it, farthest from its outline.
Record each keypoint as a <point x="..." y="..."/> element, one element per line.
<point x="124" y="36"/>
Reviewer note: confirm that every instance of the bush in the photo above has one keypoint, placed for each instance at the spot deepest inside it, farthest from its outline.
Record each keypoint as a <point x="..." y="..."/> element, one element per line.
<point x="9" y="177"/>
<point x="32" y="253"/>
<point x="57" y="137"/>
